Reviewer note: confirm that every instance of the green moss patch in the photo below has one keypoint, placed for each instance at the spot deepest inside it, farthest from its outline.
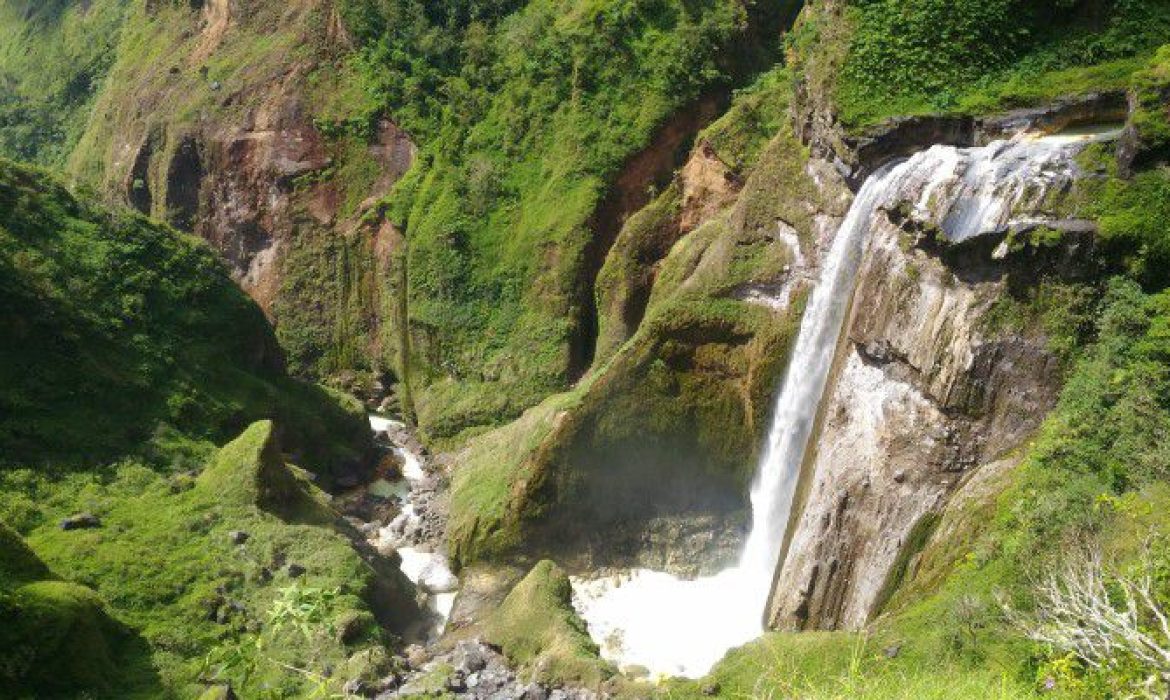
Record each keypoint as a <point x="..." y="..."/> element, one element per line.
<point x="538" y="629"/>
<point x="249" y="470"/>
<point x="57" y="637"/>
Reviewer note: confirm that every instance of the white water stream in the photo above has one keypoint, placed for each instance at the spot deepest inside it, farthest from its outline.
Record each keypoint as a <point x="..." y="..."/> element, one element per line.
<point x="675" y="627"/>
<point x="429" y="570"/>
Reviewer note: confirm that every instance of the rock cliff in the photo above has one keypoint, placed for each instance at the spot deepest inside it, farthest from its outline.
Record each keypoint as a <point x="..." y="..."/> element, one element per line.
<point x="927" y="386"/>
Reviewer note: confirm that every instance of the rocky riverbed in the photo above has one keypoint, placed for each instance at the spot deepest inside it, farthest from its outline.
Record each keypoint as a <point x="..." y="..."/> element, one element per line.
<point x="469" y="669"/>
<point x="403" y="510"/>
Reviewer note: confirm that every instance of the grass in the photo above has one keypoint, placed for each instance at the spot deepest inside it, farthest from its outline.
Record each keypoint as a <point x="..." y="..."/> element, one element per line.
<point x="58" y="637"/>
<point x="54" y="58"/>
<point x="884" y="58"/>
<point x="839" y="665"/>
<point x="136" y="354"/>
<point x="164" y="564"/>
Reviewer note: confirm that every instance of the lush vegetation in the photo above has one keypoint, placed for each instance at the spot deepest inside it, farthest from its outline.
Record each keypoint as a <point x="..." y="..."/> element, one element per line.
<point x="972" y="56"/>
<point x="54" y="56"/>
<point x="209" y="609"/>
<point x="132" y="355"/>
<point x="1151" y="117"/>
<point x="124" y="329"/>
<point x="527" y="112"/>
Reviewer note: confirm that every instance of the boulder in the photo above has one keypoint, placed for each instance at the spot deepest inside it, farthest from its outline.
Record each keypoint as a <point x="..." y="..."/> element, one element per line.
<point x="81" y="521"/>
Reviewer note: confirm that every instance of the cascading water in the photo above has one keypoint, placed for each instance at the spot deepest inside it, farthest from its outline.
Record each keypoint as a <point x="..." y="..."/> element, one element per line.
<point x="672" y="626"/>
<point x="677" y="627"/>
<point x="428" y="569"/>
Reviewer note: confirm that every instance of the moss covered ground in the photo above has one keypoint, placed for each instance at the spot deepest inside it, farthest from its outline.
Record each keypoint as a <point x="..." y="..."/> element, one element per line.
<point x="207" y="609"/>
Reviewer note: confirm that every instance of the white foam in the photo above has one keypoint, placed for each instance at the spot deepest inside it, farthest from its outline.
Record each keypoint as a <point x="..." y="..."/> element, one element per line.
<point x="380" y="424"/>
<point x="412" y="468"/>
<point x="670" y="626"/>
<point x="427" y="570"/>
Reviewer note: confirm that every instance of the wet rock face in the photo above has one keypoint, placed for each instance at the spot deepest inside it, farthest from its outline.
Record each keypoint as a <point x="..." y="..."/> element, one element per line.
<point x="923" y="395"/>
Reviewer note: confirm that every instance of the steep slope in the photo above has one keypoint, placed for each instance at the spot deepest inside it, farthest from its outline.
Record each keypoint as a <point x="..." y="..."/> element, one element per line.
<point x="273" y="129"/>
<point x="1006" y="331"/>
<point x="242" y="123"/>
<point x="54" y="57"/>
<point x="563" y="116"/>
<point x="120" y="326"/>
<point x="539" y="264"/>
<point x="133" y="354"/>
<point x="648" y="459"/>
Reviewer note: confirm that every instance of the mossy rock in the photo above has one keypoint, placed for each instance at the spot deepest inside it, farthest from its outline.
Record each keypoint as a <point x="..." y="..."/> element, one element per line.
<point x="57" y="637"/>
<point x="537" y="628"/>
<point x="250" y="470"/>
<point x="18" y="563"/>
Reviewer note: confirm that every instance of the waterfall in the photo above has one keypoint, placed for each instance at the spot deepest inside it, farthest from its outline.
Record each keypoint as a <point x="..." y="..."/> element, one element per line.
<point x="683" y="627"/>
<point x="800" y="393"/>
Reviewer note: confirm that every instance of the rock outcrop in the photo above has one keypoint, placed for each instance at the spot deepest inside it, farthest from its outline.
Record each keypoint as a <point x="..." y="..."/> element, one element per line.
<point x="926" y="389"/>
<point x="249" y="151"/>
